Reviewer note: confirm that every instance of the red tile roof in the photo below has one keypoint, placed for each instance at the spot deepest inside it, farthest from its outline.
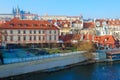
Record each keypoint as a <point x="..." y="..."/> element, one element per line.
<point x="28" y="24"/>
<point x="110" y="22"/>
<point x="107" y="39"/>
<point x="88" y="25"/>
<point x="104" y="40"/>
<point x="61" y="23"/>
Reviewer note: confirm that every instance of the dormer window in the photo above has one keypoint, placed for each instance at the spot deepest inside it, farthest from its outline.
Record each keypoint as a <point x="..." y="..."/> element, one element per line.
<point x="19" y="25"/>
<point x="11" y="24"/>
<point x="25" y="25"/>
<point x="34" y="25"/>
<point x="41" y="25"/>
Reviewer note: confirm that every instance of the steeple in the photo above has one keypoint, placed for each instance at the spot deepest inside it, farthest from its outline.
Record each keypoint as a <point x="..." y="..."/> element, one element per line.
<point x="17" y="10"/>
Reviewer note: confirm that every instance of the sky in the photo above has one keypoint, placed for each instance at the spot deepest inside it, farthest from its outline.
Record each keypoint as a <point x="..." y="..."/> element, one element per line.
<point x="87" y="8"/>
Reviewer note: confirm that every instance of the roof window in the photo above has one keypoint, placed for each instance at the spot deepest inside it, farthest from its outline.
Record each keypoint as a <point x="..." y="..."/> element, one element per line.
<point x="11" y="24"/>
<point x="19" y="25"/>
<point x="34" y="24"/>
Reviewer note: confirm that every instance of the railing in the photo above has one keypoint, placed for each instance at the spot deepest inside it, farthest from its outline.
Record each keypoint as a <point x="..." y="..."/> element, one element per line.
<point x="16" y="60"/>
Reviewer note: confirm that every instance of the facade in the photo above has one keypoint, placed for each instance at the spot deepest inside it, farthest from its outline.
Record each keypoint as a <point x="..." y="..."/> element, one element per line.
<point x="102" y="42"/>
<point x="29" y="32"/>
<point x="114" y="27"/>
<point x="108" y="26"/>
<point x="60" y="17"/>
<point x="5" y="17"/>
<point x="77" y="26"/>
<point x="67" y="27"/>
<point x="101" y="27"/>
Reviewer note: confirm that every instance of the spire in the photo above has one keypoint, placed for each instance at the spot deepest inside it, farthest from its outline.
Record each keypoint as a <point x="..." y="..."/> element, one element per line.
<point x="18" y="10"/>
<point x="13" y="11"/>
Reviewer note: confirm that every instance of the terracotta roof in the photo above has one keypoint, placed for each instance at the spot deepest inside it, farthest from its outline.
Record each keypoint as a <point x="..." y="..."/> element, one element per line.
<point x="28" y="24"/>
<point x="100" y="20"/>
<point x="88" y="25"/>
<point x="77" y="21"/>
<point x="107" y="39"/>
<point x="113" y="22"/>
<point x="110" y="22"/>
<point x="61" y="23"/>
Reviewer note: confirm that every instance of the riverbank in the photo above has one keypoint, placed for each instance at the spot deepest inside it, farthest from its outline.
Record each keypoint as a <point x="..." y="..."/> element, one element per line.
<point x="50" y="64"/>
<point x="38" y="65"/>
<point x="52" y="70"/>
<point x="96" y="71"/>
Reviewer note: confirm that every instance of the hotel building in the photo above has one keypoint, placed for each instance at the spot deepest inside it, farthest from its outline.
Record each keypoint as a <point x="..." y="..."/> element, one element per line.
<point x="31" y="32"/>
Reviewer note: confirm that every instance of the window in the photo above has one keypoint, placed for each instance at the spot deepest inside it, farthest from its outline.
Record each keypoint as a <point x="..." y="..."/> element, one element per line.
<point x="41" y="25"/>
<point x="11" y="38"/>
<point x="5" y="38"/>
<point x="24" y="38"/>
<point x="43" y="38"/>
<point x="25" y="25"/>
<point x="5" y="32"/>
<point x="34" y="37"/>
<point x="19" y="25"/>
<point x="34" y="25"/>
<point x="24" y="32"/>
<point x="55" y="32"/>
<point x="30" y="38"/>
<point x="39" y="31"/>
<point x="54" y="37"/>
<point x="18" y="38"/>
<point x="11" y="32"/>
<point x="34" y="31"/>
<point x="49" y="32"/>
<point x="50" y="38"/>
<point x="39" y="37"/>
<point x="43" y="32"/>
<point x="11" y="24"/>
<point x="18" y="31"/>
<point x="30" y="32"/>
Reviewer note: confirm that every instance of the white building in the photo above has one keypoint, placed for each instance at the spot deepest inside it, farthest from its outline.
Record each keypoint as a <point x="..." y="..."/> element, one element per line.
<point x="29" y="32"/>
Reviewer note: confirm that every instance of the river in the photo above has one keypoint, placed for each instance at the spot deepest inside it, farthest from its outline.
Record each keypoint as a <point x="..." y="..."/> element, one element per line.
<point x="97" y="71"/>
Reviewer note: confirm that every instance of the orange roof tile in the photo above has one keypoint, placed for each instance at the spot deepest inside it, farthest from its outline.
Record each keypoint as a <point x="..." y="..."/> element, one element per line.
<point x="28" y="24"/>
<point x="88" y="25"/>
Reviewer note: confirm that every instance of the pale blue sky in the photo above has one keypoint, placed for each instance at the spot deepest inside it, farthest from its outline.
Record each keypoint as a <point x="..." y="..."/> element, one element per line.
<point x="88" y="8"/>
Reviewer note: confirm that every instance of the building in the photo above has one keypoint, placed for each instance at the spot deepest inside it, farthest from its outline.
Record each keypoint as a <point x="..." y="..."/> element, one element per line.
<point x="24" y="15"/>
<point x="63" y="25"/>
<point x="108" y="26"/>
<point x="60" y="17"/>
<point x="114" y="27"/>
<point x="101" y="27"/>
<point x="30" y="32"/>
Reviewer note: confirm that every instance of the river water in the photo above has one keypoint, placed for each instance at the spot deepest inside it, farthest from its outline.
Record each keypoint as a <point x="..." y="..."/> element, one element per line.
<point x="97" y="71"/>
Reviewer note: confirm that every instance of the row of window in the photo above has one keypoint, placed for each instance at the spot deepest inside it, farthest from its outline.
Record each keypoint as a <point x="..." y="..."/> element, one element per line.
<point x="30" y="38"/>
<point x="24" y="32"/>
